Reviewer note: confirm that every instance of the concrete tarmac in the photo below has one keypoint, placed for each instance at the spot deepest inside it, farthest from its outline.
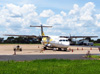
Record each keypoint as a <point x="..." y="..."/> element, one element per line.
<point x="35" y="57"/>
<point x="32" y="52"/>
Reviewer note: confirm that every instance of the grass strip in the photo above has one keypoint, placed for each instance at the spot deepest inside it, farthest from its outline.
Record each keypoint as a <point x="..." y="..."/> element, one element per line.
<point x="52" y="66"/>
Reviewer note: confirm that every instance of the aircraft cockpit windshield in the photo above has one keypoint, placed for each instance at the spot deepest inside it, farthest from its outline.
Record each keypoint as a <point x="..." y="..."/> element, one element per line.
<point x="63" y="40"/>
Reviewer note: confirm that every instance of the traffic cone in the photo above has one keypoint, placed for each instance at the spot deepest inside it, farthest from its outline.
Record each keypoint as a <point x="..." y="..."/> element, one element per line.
<point x="72" y="50"/>
<point x="90" y="48"/>
<point x="77" y="49"/>
<point x="82" y="48"/>
<point x="99" y="49"/>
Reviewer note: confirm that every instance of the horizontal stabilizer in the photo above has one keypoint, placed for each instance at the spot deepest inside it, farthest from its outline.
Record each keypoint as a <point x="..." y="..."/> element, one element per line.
<point x="40" y="26"/>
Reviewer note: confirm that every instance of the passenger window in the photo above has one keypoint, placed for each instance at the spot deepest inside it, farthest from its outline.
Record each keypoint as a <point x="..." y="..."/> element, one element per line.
<point x="60" y="40"/>
<point x="63" y="40"/>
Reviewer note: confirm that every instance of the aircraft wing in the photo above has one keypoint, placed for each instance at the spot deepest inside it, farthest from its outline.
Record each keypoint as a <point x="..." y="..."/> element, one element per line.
<point x="78" y="36"/>
<point x="20" y="35"/>
<point x="32" y="36"/>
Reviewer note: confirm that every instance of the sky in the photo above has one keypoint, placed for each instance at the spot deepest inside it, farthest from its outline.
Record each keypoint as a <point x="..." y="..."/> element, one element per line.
<point x="75" y="17"/>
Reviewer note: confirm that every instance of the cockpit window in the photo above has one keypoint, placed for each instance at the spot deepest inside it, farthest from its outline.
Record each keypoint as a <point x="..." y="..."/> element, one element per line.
<point x="60" y="40"/>
<point x="63" y="40"/>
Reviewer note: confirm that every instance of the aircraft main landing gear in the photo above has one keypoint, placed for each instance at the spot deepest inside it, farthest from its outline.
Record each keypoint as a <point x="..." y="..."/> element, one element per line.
<point x="45" y="48"/>
<point x="59" y="49"/>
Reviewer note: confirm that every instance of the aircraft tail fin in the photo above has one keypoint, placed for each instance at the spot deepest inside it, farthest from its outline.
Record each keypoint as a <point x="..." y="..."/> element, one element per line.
<point x="42" y="33"/>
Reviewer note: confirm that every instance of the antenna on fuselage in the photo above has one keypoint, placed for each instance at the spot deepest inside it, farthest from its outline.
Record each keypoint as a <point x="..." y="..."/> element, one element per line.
<point x="41" y="26"/>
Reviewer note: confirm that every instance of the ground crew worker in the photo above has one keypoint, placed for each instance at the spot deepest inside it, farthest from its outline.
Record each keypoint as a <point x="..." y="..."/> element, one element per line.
<point x="88" y="54"/>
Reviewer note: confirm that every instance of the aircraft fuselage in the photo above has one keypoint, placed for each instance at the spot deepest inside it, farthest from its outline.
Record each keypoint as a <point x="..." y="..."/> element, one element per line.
<point x="56" y="42"/>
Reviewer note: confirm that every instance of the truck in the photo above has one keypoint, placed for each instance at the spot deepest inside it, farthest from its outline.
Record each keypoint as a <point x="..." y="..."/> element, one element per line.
<point x="84" y="42"/>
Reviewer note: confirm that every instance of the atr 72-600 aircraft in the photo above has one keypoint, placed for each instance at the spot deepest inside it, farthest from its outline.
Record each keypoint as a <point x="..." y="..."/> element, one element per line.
<point x="60" y="42"/>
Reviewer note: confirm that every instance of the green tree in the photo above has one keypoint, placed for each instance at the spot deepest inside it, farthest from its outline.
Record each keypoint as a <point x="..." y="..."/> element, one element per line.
<point x="1" y="40"/>
<point x="98" y="41"/>
<point x="88" y="38"/>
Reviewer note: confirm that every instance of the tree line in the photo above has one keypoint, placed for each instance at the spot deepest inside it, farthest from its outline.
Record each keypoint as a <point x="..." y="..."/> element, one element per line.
<point x="23" y="40"/>
<point x="26" y="40"/>
<point x="91" y="40"/>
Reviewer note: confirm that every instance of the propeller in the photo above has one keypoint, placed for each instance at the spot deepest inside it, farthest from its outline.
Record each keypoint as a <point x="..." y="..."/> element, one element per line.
<point x="70" y="39"/>
<point x="39" y="38"/>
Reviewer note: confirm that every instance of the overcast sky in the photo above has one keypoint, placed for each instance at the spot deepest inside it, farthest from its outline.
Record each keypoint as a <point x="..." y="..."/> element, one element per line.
<point x="75" y="17"/>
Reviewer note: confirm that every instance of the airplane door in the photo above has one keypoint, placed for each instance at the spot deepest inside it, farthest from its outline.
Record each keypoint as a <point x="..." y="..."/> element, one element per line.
<point x="60" y="41"/>
<point x="48" y="40"/>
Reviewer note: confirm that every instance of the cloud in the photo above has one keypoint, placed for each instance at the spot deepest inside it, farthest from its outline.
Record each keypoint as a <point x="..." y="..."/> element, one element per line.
<point x="74" y="10"/>
<point x="18" y="17"/>
<point x="86" y="11"/>
<point x="97" y="22"/>
<point x="80" y="20"/>
<point x="47" y="13"/>
<point x="83" y="20"/>
<point x="63" y="13"/>
<point x="56" y="19"/>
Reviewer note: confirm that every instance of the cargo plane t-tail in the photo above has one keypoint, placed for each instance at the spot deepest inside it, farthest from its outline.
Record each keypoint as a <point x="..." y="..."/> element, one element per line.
<point x="59" y="42"/>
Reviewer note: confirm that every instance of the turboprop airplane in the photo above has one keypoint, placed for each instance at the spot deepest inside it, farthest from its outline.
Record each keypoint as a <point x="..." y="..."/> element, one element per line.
<point x="55" y="42"/>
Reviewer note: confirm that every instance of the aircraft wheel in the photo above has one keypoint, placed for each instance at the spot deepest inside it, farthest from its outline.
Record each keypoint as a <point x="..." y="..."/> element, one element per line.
<point x="14" y="49"/>
<point x="54" y="49"/>
<point x="65" y="49"/>
<point x="20" y="49"/>
<point x="45" y="48"/>
<point x="59" y="49"/>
